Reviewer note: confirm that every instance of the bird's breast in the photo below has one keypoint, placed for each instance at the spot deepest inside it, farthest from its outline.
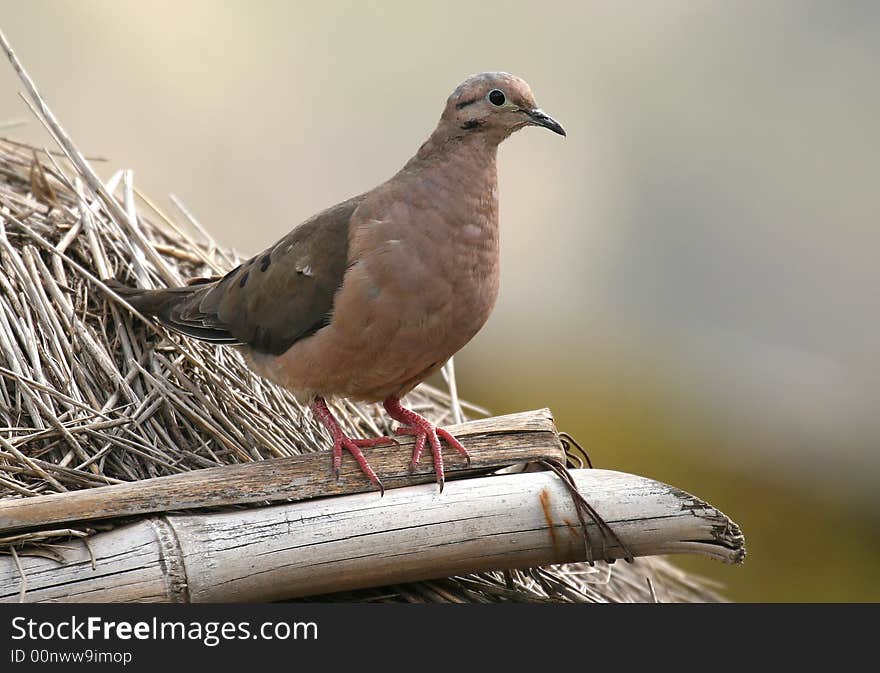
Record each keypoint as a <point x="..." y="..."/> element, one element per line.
<point x="421" y="280"/>
<point x="456" y="243"/>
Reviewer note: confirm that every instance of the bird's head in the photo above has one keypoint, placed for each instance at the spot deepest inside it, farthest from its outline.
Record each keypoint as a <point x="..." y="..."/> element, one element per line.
<point x="494" y="104"/>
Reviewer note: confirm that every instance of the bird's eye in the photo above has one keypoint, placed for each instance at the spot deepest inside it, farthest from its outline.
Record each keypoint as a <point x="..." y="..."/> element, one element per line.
<point x="496" y="97"/>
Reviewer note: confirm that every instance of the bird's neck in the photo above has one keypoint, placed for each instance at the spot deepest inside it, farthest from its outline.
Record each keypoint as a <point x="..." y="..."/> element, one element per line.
<point x="466" y="161"/>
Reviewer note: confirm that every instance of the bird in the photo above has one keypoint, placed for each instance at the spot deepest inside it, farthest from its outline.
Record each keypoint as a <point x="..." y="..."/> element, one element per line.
<point x="371" y="296"/>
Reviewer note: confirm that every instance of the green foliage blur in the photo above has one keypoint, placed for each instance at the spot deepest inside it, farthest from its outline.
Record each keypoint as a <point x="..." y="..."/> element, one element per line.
<point x="803" y="543"/>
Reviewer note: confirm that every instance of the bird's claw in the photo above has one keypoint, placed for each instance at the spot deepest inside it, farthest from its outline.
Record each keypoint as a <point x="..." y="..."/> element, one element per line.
<point x="426" y="432"/>
<point x="448" y="437"/>
<point x="354" y="446"/>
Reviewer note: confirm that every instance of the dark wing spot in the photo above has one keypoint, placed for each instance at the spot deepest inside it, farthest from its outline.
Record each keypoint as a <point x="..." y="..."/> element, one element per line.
<point x="266" y="261"/>
<point x="463" y="104"/>
<point x="471" y="124"/>
<point x="244" y="279"/>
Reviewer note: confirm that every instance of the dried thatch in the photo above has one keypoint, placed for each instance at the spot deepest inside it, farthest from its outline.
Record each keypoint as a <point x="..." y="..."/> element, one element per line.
<point x="91" y="396"/>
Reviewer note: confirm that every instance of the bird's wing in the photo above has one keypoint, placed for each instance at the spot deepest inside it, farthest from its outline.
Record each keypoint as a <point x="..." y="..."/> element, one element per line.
<point x="285" y="293"/>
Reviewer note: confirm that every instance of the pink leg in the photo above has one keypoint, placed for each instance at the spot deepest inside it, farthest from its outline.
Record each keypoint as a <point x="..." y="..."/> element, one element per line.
<point x="424" y="432"/>
<point x="341" y="440"/>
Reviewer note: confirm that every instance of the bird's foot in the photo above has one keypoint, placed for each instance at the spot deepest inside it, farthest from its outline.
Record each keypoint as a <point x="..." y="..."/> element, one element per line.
<point x="425" y="432"/>
<point x="354" y="446"/>
<point x="343" y="441"/>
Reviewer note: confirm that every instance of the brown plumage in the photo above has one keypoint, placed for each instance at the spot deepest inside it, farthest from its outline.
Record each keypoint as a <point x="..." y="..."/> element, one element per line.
<point x="371" y="296"/>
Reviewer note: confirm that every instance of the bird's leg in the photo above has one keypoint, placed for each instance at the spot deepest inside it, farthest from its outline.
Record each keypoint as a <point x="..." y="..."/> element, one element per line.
<point x="424" y="432"/>
<point x="342" y="441"/>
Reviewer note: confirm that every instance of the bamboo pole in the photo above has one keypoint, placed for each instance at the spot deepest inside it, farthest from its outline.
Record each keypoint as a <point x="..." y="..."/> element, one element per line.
<point x="333" y="544"/>
<point x="493" y="443"/>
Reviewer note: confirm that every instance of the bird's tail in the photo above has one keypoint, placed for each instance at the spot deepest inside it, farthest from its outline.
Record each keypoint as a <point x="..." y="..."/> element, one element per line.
<point x="190" y="310"/>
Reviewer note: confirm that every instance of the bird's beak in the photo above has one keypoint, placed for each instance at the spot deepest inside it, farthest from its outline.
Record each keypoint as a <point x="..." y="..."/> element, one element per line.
<point x="540" y="118"/>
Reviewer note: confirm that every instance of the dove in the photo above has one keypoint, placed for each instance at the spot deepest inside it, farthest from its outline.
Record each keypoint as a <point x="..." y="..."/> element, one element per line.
<point x="371" y="296"/>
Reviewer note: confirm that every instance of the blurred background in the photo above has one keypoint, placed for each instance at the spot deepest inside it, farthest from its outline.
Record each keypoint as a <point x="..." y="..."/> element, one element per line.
<point x="690" y="279"/>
